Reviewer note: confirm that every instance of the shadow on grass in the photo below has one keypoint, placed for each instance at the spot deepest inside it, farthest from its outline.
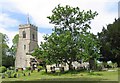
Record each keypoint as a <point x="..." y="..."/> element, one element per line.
<point x="63" y="73"/>
<point x="95" y="74"/>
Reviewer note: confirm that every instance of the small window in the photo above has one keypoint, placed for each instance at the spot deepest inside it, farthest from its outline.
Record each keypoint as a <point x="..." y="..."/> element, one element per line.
<point x="24" y="34"/>
<point x="33" y="36"/>
<point x="24" y="47"/>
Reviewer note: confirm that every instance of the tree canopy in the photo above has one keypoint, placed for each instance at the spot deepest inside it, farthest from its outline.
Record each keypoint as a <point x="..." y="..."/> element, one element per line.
<point x="15" y="41"/>
<point x="109" y="39"/>
<point x="7" y="59"/>
<point x="70" y="40"/>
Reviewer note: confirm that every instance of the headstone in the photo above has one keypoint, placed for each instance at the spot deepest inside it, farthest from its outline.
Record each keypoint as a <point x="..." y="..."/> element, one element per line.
<point x="31" y="70"/>
<point x="3" y="76"/>
<point x="62" y="69"/>
<point x="24" y="74"/>
<point x="9" y="74"/>
<point x="38" y="70"/>
<point x="18" y="75"/>
<point x="16" y="70"/>
<point x="15" y="75"/>
<point x="29" y="74"/>
<point x="73" y="68"/>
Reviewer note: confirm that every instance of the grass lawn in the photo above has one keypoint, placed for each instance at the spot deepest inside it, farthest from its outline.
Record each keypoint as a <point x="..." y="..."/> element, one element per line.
<point x="68" y="76"/>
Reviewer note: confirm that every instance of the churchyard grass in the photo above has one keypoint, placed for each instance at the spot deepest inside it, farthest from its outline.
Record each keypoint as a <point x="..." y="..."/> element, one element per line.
<point x="67" y="76"/>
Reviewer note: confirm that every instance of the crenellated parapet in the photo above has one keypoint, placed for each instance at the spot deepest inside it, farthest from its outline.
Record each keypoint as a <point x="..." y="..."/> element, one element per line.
<point x="28" y="26"/>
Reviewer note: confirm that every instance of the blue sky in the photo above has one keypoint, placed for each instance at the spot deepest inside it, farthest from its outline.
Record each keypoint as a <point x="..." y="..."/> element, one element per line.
<point x="14" y="12"/>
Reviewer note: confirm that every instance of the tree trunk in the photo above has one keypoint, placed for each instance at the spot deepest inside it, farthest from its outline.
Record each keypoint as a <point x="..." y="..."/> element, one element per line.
<point x="104" y="64"/>
<point x="118" y="61"/>
<point x="70" y="65"/>
<point x="45" y="67"/>
<point x="118" y="64"/>
<point x="91" y="63"/>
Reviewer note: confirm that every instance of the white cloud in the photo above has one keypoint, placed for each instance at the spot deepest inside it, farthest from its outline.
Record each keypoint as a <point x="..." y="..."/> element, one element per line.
<point x="40" y="9"/>
<point x="6" y="21"/>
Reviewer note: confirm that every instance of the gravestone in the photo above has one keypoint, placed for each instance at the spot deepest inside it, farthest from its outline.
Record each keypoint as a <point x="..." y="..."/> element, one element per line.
<point x="15" y="75"/>
<point x="31" y="70"/>
<point x="29" y="74"/>
<point x="18" y="75"/>
<point x="9" y="74"/>
<point x="24" y="74"/>
<point x="3" y="76"/>
<point x="38" y="70"/>
<point x="62" y="69"/>
<point x="16" y="70"/>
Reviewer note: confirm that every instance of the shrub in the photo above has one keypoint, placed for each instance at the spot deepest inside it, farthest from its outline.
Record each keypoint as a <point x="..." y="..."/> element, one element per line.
<point x="12" y="68"/>
<point x="3" y="69"/>
<point x="28" y="68"/>
<point x="99" y="67"/>
<point x="40" y="67"/>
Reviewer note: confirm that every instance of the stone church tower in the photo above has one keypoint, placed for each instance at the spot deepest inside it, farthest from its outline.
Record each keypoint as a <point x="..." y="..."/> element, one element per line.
<point x="28" y="41"/>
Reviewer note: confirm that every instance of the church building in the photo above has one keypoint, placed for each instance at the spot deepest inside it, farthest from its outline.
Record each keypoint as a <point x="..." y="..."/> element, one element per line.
<point x="28" y="41"/>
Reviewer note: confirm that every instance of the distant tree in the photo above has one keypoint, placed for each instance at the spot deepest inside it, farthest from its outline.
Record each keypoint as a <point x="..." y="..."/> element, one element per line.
<point x="109" y="39"/>
<point x="7" y="59"/>
<point x="15" y="41"/>
<point x="4" y="47"/>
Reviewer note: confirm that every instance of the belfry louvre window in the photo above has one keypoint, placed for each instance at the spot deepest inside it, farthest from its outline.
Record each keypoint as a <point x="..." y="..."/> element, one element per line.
<point x="24" y="34"/>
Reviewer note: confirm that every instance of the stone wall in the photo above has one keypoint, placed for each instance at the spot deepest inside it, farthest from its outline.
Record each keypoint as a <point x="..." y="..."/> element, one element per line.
<point x="26" y="45"/>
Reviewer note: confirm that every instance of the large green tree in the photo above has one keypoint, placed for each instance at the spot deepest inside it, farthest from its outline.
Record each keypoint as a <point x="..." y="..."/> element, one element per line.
<point x="65" y="44"/>
<point x="4" y="47"/>
<point x="7" y="59"/>
<point x="109" y="39"/>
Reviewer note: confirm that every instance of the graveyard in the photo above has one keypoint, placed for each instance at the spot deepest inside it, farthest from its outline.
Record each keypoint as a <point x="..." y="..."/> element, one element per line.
<point x="70" y="52"/>
<point x="81" y="75"/>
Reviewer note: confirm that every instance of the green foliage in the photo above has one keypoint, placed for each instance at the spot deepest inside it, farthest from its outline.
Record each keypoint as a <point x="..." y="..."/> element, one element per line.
<point x="40" y="67"/>
<point x="7" y="59"/>
<point x="99" y="66"/>
<point x="4" y="47"/>
<point x="15" y="40"/>
<point x="70" y="39"/>
<point x="3" y="69"/>
<point x="28" y="68"/>
<point x="110" y="46"/>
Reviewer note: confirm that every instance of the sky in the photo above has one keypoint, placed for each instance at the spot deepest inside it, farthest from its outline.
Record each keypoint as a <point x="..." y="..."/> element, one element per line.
<point x="15" y="12"/>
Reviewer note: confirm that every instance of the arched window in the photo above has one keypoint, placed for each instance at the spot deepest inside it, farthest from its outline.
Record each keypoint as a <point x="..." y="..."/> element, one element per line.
<point x="24" y="34"/>
<point x="33" y="36"/>
<point x="24" y="47"/>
